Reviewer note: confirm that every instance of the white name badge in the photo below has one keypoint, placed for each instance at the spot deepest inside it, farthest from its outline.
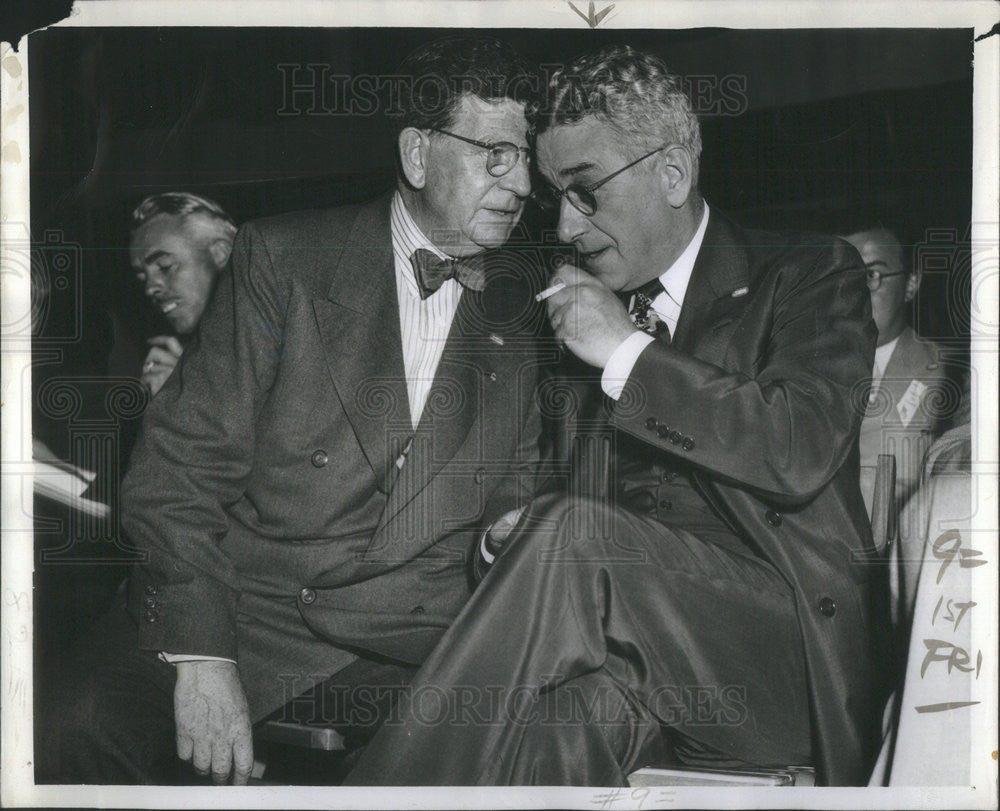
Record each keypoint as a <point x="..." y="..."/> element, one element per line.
<point x="910" y="401"/>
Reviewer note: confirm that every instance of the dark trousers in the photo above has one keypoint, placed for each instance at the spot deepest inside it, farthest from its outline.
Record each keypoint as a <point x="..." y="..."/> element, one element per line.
<point x="594" y="629"/>
<point x="104" y="713"/>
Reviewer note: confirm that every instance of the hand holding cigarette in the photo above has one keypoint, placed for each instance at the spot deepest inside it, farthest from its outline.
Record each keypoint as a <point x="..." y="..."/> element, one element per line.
<point x="549" y="291"/>
<point x="586" y="316"/>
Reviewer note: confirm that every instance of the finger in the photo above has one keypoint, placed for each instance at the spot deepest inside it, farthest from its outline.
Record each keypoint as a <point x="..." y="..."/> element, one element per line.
<point x="222" y="762"/>
<point x="168" y="343"/>
<point x="242" y="759"/>
<point x="185" y="746"/>
<point x="161" y="356"/>
<point x="202" y="756"/>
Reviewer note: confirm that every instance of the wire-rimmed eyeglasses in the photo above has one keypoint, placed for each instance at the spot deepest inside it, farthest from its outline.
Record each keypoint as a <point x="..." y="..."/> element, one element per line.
<point x="581" y="196"/>
<point x="874" y="277"/>
<point x="501" y="156"/>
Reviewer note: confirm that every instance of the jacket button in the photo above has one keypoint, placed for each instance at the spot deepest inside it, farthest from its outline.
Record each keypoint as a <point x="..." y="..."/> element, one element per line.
<point x="666" y="504"/>
<point x="150" y="589"/>
<point x="493" y="377"/>
<point x="308" y="596"/>
<point x="651" y="423"/>
<point x="773" y="518"/>
<point x="319" y="458"/>
<point x="151" y="616"/>
<point x="687" y="443"/>
<point x="667" y="476"/>
<point x="419" y="609"/>
<point x="479" y="475"/>
<point x="149" y="602"/>
<point x="676" y="437"/>
<point x="827" y="607"/>
<point x="662" y="431"/>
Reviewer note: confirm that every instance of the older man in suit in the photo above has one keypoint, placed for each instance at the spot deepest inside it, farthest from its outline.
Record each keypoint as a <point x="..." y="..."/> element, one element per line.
<point x="722" y="593"/>
<point x="312" y="478"/>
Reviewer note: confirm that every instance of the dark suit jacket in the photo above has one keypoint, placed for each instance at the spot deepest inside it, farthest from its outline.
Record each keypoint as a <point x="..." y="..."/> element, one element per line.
<point x="755" y="393"/>
<point x="265" y="485"/>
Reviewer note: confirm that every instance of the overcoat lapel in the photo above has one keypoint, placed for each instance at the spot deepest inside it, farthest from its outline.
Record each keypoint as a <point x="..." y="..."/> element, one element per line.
<point x="716" y="293"/>
<point x="358" y="322"/>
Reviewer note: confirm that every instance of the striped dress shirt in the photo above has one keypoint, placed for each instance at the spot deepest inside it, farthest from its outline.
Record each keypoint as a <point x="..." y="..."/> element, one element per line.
<point x="423" y="323"/>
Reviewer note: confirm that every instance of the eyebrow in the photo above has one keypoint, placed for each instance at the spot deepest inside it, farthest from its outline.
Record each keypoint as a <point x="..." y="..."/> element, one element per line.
<point x="876" y="262"/>
<point x="153" y="256"/>
<point x="576" y="169"/>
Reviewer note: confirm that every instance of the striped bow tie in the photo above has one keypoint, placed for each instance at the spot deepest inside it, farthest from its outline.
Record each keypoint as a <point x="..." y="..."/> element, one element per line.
<point x="432" y="272"/>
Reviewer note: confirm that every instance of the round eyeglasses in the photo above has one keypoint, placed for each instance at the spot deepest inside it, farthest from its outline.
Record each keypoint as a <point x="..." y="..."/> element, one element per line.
<point x="501" y="156"/>
<point x="581" y="196"/>
<point x="874" y="277"/>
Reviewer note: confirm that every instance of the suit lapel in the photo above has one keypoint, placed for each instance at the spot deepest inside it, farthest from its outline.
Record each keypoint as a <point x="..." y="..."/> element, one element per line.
<point x="455" y="405"/>
<point x="715" y="295"/>
<point x="359" y="313"/>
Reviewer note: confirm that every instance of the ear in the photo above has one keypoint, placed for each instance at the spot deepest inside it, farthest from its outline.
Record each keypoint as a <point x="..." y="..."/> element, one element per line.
<point x="413" y="147"/>
<point x="912" y="286"/>
<point x="220" y="250"/>
<point x="677" y="174"/>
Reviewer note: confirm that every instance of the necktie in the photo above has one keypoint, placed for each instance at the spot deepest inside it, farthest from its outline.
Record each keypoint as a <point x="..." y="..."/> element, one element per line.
<point x="432" y="272"/>
<point x="642" y="313"/>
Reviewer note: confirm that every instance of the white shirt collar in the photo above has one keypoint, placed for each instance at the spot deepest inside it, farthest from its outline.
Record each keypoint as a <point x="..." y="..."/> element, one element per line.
<point x="883" y="354"/>
<point x="406" y="238"/>
<point x="675" y="279"/>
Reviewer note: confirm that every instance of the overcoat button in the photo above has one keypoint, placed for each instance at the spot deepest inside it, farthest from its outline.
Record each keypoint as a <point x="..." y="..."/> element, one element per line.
<point x="687" y="443"/>
<point x="666" y="476"/>
<point x="676" y="437"/>
<point x="308" y="596"/>
<point x="319" y="458"/>
<point x="662" y="431"/>
<point x="149" y="602"/>
<point x="493" y="377"/>
<point x="773" y="518"/>
<point x="479" y="475"/>
<point x="151" y="616"/>
<point x="651" y="423"/>
<point x="666" y="504"/>
<point x="151" y="589"/>
<point x="827" y="607"/>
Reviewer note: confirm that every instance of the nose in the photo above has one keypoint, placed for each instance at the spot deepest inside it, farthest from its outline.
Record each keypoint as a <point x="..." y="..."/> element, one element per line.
<point x="154" y="283"/>
<point x="572" y="223"/>
<point x="518" y="179"/>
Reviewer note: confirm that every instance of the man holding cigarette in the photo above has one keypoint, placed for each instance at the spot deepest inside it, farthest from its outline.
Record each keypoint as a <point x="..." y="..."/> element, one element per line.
<point x="713" y="608"/>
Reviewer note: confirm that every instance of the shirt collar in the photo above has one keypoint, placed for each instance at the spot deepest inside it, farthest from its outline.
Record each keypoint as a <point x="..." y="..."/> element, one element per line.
<point x="882" y="356"/>
<point x="675" y="278"/>
<point x="406" y="238"/>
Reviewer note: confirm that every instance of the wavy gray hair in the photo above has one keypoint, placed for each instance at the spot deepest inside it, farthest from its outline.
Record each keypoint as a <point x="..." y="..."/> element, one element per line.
<point x="185" y="204"/>
<point x="634" y="92"/>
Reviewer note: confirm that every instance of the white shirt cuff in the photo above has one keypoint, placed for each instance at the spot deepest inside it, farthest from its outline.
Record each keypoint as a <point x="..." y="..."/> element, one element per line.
<point x="174" y="658"/>
<point x="622" y="360"/>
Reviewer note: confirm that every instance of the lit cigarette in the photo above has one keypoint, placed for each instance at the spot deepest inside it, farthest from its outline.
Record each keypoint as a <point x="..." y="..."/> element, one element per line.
<point x="549" y="291"/>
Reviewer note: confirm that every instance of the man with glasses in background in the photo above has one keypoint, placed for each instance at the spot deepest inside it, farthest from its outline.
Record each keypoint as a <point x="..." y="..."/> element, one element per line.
<point x="713" y="608"/>
<point x="311" y="480"/>
<point x="907" y="375"/>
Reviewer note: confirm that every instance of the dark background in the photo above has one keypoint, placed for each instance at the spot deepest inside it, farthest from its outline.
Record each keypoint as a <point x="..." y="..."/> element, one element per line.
<point x="829" y="130"/>
<point x="819" y="129"/>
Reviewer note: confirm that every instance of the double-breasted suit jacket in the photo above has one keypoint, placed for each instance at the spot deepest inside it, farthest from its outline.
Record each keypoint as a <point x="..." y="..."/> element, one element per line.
<point x="291" y="514"/>
<point x="757" y="397"/>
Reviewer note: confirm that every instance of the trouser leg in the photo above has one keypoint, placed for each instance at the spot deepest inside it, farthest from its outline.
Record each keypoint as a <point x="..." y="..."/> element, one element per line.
<point x="104" y="713"/>
<point x="707" y="642"/>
